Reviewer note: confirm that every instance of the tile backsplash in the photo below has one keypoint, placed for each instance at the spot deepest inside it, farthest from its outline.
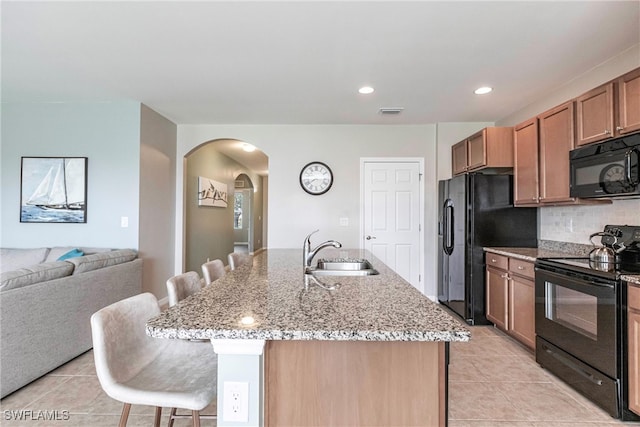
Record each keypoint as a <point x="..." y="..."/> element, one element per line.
<point x="575" y="223"/>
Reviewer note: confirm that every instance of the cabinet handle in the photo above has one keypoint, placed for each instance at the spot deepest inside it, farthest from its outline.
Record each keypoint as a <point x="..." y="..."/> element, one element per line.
<point x="504" y="276"/>
<point x="520" y="267"/>
<point x="493" y="260"/>
<point x="619" y="128"/>
<point x="607" y="132"/>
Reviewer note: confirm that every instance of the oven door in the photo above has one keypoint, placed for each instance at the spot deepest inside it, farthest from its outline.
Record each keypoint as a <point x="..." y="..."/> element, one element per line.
<point x="579" y="315"/>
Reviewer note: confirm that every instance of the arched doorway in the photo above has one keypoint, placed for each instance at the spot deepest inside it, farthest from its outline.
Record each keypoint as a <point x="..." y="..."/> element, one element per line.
<point x="209" y="230"/>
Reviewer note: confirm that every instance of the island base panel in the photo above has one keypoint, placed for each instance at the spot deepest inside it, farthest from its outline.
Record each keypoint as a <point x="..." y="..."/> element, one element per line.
<point x="355" y="383"/>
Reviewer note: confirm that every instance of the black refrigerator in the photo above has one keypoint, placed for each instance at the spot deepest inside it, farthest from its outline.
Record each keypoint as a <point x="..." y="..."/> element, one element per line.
<point x="476" y="211"/>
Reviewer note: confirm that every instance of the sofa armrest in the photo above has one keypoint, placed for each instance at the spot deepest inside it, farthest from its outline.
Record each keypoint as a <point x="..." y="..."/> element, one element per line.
<point x="34" y="274"/>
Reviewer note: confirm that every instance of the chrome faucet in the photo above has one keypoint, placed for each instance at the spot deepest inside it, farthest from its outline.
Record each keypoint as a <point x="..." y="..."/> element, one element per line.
<point x="308" y="253"/>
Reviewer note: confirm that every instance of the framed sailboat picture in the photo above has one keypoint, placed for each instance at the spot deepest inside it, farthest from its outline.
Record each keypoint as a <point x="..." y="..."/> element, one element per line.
<point x="53" y="189"/>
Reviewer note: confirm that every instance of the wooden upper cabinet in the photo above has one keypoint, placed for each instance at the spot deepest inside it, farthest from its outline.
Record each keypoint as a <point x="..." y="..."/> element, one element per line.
<point x="459" y="157"/>
<point x="556" y="139"/>
<point x="491" y="147"/>
<point x="610" y="110"/>
<point x="477" y="151"/>
<point x="525" y="163"/>
<point x="595" y="115"/>
<point x="629" y="103"/>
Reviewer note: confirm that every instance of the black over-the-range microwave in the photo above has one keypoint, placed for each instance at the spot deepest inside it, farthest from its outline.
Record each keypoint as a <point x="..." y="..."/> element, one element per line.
<point x="607" y="169"/>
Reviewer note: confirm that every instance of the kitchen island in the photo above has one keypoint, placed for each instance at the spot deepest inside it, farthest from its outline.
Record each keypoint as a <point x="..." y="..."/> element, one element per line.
<point x="368" y="350"/>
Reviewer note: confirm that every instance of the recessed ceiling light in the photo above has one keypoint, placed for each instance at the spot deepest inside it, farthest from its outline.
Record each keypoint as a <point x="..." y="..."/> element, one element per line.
<point x="482" y="90"/>
<point x="248" y="148"/>
<point x="365" y="90"/>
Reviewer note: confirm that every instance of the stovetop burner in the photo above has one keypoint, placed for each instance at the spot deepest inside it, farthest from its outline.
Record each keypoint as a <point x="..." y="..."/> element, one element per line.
<point x="584" y="265"/>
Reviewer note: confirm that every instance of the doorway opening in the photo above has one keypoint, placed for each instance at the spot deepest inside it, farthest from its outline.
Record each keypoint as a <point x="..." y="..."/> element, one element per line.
<point x="211" y="232"/>
<point x="242" y="214"/>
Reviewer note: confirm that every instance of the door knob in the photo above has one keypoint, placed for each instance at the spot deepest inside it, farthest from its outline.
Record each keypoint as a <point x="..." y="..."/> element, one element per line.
<point x="370" y="237"/>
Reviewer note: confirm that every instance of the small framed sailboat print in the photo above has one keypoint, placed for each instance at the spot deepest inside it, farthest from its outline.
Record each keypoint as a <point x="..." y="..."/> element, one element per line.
<point x="53" y="189"/>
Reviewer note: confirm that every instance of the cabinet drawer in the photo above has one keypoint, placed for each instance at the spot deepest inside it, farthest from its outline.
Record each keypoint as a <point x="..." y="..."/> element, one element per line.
<point x="634" y="297"/>
<point x="521" y="268"/>
<point x="497" y="261"/>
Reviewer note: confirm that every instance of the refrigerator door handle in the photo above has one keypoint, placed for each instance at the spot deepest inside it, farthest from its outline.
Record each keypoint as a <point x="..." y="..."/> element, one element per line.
<point x="447" y="242"/>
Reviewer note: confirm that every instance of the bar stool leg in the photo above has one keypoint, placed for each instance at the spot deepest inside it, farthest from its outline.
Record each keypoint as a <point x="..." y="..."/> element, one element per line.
<point x="156" y="421"/>
<point x="125" y="415"/>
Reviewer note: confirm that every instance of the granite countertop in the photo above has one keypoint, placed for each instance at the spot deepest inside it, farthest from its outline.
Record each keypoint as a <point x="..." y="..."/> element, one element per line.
<point x="272" y="291"/>
<point x="557" y="250"/>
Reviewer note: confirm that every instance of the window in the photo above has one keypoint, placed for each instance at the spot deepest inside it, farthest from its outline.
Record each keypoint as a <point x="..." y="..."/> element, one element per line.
<point x="237" y="210"/>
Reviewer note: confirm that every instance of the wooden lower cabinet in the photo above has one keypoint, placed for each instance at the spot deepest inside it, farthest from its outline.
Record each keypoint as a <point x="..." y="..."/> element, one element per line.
<point x="634" y="348"/>
<point x="497" y="297"/>
<point x="511" y="297"/>
<point x="355" y="383"/>
<point x="522" y="304"/>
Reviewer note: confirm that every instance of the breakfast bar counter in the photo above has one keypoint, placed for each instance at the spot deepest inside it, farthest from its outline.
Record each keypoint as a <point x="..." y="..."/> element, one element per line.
<point x="348" y="350"/>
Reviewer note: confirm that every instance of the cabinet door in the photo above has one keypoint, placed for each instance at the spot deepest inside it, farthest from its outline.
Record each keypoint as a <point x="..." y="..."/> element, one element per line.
<point x="459" y="157"/>
<point x="497" y="288"/>
<point x="521" y="308"/>
<point x="634" y="348"/>
<point x="525" y="163"/>
<point x="629" y="103"/>
<point x="556" y="140"/>
<point x="595" y="115"/>
<point x="477" y="150"/>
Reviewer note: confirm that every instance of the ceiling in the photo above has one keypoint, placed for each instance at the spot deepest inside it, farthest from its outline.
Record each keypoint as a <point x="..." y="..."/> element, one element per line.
<point x="299" y="62"/>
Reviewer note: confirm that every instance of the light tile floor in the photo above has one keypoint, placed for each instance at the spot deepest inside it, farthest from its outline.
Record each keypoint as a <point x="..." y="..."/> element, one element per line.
<point x="493" y="381"/>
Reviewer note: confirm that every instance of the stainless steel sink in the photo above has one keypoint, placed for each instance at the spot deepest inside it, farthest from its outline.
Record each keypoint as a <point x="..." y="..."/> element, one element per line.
<point x="342" y="267"/>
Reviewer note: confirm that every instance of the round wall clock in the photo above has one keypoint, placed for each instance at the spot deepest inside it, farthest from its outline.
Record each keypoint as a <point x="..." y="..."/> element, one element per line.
<point x="316" y="178"/>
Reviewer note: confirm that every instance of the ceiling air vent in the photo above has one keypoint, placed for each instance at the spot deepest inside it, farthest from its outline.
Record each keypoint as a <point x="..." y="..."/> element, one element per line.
<point x="391" y="111"/>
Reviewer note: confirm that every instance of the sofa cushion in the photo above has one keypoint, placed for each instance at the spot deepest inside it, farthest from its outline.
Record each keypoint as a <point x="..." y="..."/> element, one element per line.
<point x="13" y="259"/>
<point x="34" y="274"/>
<point x="56" y="252"/>
<point x="73" y="253"/>
<point x="101" y="260"/>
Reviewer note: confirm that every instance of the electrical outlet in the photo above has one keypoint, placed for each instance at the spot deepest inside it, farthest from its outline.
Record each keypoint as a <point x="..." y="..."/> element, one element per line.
<point x="235" y="404"/>
<point x="124" y="221"/>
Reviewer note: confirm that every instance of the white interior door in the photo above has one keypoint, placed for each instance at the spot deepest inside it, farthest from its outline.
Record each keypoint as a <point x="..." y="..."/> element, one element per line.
<point x="392" y="215"/>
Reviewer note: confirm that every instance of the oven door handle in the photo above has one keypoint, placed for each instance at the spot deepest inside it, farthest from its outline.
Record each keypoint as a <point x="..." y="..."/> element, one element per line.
<point x="569" y="364"/>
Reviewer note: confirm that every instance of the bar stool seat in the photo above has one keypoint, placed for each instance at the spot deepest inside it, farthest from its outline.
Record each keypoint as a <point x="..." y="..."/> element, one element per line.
<point x="134" y="368"/>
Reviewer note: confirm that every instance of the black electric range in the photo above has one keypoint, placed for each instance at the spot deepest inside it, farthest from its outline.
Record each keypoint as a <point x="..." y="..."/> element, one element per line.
<point x="581" y="322"/>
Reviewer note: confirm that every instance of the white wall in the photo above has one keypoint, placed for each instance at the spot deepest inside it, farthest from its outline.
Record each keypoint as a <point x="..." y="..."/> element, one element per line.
<point x="292" y="213"/>
<point x="108" y="134"/>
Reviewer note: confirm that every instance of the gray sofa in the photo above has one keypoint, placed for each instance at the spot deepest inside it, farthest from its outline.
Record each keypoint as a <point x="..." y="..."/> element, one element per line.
<point x="45" y="306"/>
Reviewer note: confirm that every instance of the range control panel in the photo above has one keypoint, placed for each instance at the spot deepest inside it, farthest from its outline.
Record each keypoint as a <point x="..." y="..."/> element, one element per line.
<point x="628" y="235"/>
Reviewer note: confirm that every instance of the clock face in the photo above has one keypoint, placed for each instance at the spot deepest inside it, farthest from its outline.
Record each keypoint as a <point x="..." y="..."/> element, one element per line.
<point x="316" y="178"/>
<point x="614" y="180"/>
